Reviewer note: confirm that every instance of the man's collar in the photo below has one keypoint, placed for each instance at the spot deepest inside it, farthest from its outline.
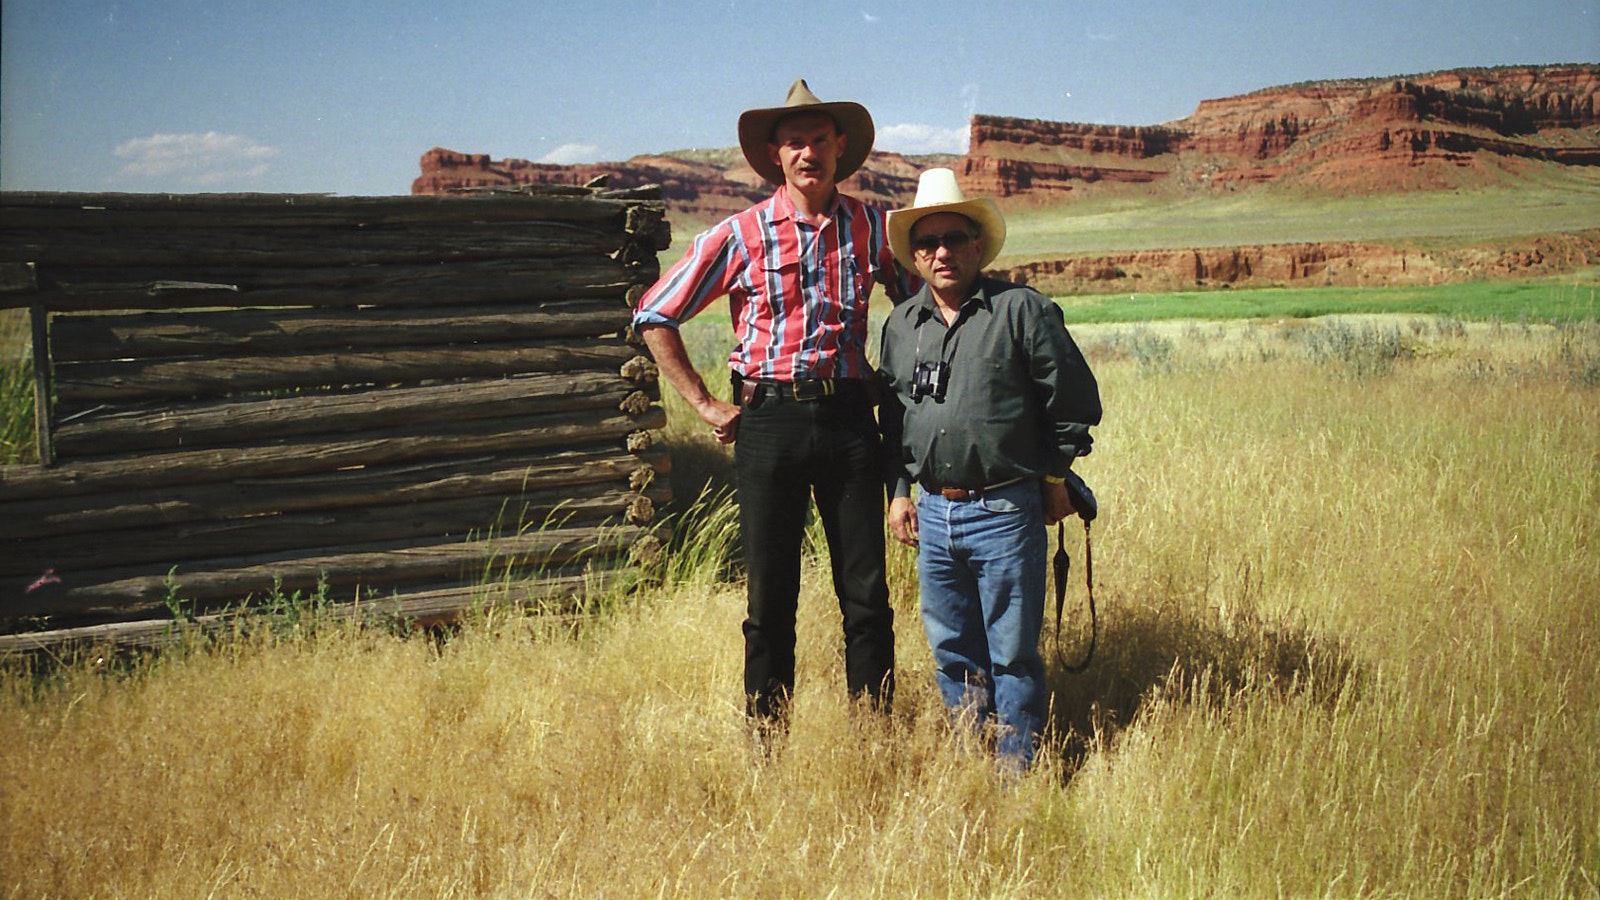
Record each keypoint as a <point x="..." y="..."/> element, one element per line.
<point x="783" y="206"/>
<point x="979" y="295"/>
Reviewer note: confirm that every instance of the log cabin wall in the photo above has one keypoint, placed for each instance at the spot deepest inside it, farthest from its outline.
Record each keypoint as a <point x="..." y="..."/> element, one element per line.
<point x="425" y="403"/>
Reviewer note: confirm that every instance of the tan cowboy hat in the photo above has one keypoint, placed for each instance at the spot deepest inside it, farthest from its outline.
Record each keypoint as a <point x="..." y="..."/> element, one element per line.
<point x="755" y="131"/>
<point x="937" y="192"/>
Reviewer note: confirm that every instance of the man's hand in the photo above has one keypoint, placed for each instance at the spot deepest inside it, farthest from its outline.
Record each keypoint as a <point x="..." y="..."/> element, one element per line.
<point x="903" y="520"/>
<point x="723" y="419"/>
<point x="1057" y="502"/>
<point x="672" y="359"/>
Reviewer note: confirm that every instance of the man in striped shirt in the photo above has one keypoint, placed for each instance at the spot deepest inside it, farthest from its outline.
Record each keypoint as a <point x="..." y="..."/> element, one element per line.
<point x="798" y="270"/>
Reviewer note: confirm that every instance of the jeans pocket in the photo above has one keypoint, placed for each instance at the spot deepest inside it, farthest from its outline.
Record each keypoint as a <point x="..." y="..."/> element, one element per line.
<point x="999" y="505"/>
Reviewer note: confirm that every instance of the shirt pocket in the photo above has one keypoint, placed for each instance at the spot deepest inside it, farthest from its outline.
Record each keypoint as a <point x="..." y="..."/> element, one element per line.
<point x="778" y="280"/>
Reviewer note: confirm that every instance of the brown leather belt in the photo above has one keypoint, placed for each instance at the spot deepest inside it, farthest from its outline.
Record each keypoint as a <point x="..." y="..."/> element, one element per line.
<point x="965" y="494"/>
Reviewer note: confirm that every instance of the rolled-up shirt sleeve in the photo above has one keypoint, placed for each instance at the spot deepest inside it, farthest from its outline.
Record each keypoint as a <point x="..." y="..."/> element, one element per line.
<point x="705" y="273"/>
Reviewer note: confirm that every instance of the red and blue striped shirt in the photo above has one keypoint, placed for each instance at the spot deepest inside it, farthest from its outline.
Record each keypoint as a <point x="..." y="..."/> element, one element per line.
<point x="797" y="291"/>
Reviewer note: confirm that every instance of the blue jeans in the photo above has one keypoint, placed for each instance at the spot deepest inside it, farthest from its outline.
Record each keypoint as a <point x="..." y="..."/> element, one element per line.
<point x="981" y="565"/>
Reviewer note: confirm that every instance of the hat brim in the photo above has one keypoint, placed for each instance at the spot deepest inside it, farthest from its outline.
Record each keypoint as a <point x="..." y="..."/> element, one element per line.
<point x="981" y="210"/>
<point x="852" y="119"/>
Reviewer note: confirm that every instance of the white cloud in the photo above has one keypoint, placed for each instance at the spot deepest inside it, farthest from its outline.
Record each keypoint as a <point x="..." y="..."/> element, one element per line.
<point x="913" y="138"/>
<point x="567" y="154"/>
<point x="194" y="159"/>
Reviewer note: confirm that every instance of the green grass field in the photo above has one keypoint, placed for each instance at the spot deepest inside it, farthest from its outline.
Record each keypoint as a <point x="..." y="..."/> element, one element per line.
<point x="1566" y="299"/>
<point x="1548" y="200"/>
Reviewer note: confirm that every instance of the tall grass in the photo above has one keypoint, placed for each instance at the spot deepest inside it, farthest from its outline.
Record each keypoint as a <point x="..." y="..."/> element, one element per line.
<point x="17" y="444"/>
<point x="1348" y="633"/>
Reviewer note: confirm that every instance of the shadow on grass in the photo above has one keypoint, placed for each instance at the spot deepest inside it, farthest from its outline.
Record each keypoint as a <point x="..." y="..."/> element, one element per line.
<point x="699" y="468"/>
<point x="704" y="519"/>
<point x="1145" y="650"/>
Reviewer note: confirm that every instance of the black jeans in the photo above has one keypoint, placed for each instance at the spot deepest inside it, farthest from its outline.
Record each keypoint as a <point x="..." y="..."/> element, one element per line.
<point x="787" y="452"/>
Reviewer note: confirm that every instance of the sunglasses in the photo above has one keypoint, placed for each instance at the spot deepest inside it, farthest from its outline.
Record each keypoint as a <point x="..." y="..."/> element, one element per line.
<point x="951" y="240"/>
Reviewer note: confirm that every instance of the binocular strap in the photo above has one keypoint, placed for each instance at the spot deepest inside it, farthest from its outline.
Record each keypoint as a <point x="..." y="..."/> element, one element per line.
<point x="1061" y="565"/>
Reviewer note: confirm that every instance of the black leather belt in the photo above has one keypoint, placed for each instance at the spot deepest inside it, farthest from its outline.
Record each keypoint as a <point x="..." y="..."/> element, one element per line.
<point x="752" y="392"/>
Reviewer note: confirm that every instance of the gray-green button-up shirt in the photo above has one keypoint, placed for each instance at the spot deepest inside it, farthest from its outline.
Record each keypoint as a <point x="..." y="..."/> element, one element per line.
<point x="1019" y="401"/>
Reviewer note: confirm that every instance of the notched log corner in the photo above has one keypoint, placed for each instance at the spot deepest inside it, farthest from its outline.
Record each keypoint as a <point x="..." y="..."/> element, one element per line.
<point x="641" y="511"/>
<point x="636" y="403"/>
<point x="641" y="478"/>
<point x="648" y="553"/>
<point x="640" y="369"/>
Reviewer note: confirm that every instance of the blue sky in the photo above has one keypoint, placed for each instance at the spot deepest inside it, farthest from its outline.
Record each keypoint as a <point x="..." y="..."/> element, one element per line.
<point x="343" y="97"/>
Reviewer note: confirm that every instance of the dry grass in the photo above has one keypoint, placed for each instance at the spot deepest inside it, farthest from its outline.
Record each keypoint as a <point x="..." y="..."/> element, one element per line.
<point x="1348" y="649"/>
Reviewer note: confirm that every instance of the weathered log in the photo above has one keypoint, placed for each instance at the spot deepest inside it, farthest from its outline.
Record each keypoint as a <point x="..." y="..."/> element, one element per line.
<point x="25" y="211"/>
<point x="548" y="595"/>
<point x="18" y="279"/>
<point x="370" y="572"/>
<point x="162" y="546"/>
<point x="299" y="456"/>
<point x="74" y="288"/>
<point x="124" y="381"/>
<point x="243" y="332"/>
<point x="474" y="576"/>
<point x="501" y="476"/>
<point x="429" y="590"/>
<point x="123" y="429"/>
<point x="269" y="248"/>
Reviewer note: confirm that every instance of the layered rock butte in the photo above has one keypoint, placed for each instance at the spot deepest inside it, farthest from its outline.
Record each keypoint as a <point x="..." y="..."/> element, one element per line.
<point x="1465" y="127"/>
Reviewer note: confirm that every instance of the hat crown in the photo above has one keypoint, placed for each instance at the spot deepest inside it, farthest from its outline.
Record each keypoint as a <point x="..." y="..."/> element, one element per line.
<point x="937" y="192"/>
<point x="937" y="186"/>
<point x="800" y="94"/>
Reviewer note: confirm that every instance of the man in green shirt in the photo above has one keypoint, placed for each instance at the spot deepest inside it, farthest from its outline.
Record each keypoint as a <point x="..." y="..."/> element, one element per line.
<point x="988" y="401"/>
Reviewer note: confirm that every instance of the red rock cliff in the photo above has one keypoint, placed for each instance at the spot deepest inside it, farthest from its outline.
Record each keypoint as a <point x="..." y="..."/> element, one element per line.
<point x="1423" y="131"/>
<point x="700" y="188"/>
<point x="1346" y="134"/>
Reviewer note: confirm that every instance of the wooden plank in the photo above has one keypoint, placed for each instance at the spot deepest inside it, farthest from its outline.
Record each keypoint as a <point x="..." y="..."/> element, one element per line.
<point x="304" y="455"/>
<point x="118" y="430"/>
<point x="162" y="546"/>
<point x="501" y="476"/>
<point x="244" y="332"/>
<point x="77" y="289"/>
<point x="126" y="381"/>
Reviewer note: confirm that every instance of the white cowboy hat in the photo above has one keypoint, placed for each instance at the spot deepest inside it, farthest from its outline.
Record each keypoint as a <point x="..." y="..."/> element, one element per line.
<point x="937" y="192"/>
<point x="852" y="119"/>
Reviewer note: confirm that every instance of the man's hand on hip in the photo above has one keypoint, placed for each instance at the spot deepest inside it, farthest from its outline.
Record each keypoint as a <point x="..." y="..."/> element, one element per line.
<point x="723" y="419"/>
